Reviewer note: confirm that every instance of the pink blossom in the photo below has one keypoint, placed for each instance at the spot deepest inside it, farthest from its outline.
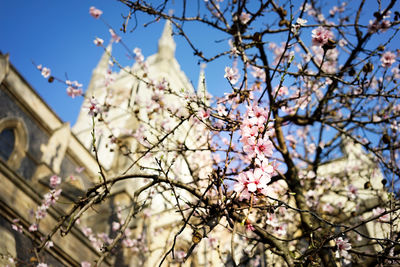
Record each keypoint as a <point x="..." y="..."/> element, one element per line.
<point x="342" y="42"/>
<point x="251" y="182"/>
<point x="204" y="113"/>
<point x="33" y="228"/>
<point x="281" y="91"/>
<point x="94" y="12"/>
<point x="180" y="255"/>
<point x="85" y="264"/>
<point x="72" y="92"/>
<point x="343" y="246"/>
<point x="87" y="231"/>
<point x="385" y="24"/>
<point x="281" y="229"/>
<point x="301" y="22"/>
<point x="127" y="242"/>
<point x="75" y="84"/>
<point x="387" y="59"/>
<point x="264" y="148"/>
<point x="162" y="85"/>
<point x="41" y="265"/>
<point x="16" y="226"/>
<point x="253" y="124"/>
<point x="378" y="211"/>
<point x="244" y="17"/>
<point x="94" y="107"/>
<point x="257" y="180"/>
<point x="375" y="26"/>
<point x="74" y="88"/>
<point x="249" y="149"/>
<point x="114" y="36"/>
<point x="257" y="115"/>
<point x="109" y="78"/>
<point x="51" y="197"/>
<point x="328" y="208"/>
<point x="41" y="212"/>
<point x="49" y="244"/>
<point x="139" y="56"/>
<point x="232" y="74"/>
<point x="352" y="192"/>
<point x="116" y="226"/>
<point x="98" y="41"/>
<point x="221" y="110"/>
<point x="272" y="220"/>
<point x="248" y="132"/>
<point x="241" y="183"/>
<point x="320" y="36"/>
<point x="268" y="167"/>
<point x="312" y="198"/>
<point x="46" y="72"/>
<point x="241" y="187"/>
<point x="249" y="226"/>
<point x="55" y="181"/>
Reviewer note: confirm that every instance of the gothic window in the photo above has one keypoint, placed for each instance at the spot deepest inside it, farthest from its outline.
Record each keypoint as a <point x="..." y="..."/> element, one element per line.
<point x="7" y="143"/>
<point x="13" y="141"/>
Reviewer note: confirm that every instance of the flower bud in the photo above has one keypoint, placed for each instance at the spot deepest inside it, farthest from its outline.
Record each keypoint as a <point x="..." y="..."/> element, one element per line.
<point x="368" y="67"/>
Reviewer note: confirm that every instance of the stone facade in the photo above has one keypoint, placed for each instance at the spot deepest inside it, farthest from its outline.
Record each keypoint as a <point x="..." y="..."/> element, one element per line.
<point x="40" y="145"/>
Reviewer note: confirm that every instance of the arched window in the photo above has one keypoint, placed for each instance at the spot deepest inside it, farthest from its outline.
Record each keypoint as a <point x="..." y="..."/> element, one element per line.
<point x="13" y="141"/>
<point x="7" y="143"/>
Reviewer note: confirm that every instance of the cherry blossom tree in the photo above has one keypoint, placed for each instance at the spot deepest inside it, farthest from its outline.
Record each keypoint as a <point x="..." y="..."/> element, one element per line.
<point x="298" y="159"/>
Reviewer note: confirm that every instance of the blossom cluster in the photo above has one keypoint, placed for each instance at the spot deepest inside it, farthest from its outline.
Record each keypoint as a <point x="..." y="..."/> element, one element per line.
<point x="94" y="12"/>
<point x="94" y="107"/>
<point x="49" y="199"/>
<point x="387" y="59"/>
<point x="253" y="181"/>
<point x="257" y="147"/>
<point x="232" y="74"/>
<point x="97" y="240"/>
<point x="254" y="136"/>
<point x="44" y="71"/>
<point x="320" y="36"/>
<point x="74" y="88"/>
<point x="98" y="41"/>
<point x="343" y="246"/>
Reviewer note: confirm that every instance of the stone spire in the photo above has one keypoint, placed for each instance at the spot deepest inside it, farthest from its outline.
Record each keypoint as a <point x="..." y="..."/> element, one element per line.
<point x="166" y="44"/>
<point x="201" y="86"/>
<point x="100" y="70"/>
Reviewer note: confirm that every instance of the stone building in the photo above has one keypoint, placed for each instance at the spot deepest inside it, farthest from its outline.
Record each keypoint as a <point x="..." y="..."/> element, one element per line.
<point x="35" y="144"/>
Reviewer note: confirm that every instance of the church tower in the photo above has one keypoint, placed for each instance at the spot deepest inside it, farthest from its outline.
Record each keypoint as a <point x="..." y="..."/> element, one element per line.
<point x="147" y="121"/>
<point x="122" y="92"/>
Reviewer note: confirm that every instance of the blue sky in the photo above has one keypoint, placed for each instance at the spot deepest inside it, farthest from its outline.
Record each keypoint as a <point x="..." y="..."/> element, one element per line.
<point x="60" y="34"/>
